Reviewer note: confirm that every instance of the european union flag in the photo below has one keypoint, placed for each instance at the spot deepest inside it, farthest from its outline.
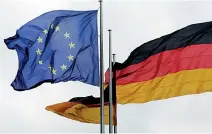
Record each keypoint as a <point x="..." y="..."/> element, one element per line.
<point x="57" y="46"/>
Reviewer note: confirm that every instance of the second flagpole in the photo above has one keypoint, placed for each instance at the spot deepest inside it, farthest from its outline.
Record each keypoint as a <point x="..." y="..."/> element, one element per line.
<point x="110" y="86"/>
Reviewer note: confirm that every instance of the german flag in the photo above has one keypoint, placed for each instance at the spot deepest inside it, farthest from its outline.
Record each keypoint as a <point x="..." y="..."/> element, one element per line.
<point x="173" y="65"/>
<point x="83" y="109"/>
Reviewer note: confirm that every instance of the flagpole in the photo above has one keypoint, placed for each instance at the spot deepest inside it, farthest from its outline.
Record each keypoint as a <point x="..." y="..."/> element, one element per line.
<point x="114" y="95"/>
<point x="102" y="129"/>
<point x="110" y="87"/>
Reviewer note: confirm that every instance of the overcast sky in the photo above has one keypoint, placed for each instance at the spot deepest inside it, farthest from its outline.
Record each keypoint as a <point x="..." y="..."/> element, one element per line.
<point x="133" y="22"/>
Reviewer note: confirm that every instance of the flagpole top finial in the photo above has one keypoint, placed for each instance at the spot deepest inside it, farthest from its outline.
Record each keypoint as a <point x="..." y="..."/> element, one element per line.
<point x="109" y="29"/>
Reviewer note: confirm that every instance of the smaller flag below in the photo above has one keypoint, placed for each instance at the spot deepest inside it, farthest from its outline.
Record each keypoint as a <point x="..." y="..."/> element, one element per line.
<point x="83" y="109"/>
<point x="57" y="46"/>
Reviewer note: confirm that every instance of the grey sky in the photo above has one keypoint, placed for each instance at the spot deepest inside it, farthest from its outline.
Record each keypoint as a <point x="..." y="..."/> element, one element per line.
<point x="133" y="22"/>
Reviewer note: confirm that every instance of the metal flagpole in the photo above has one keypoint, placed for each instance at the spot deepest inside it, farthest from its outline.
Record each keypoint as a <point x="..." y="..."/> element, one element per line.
<point x="102" y="129"/>
<point x="114" y="95"/>
<point x="110" y="87"/>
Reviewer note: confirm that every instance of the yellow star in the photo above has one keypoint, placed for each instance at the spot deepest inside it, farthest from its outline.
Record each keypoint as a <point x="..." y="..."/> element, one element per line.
<point x="38" y="51"/>
<point x="52" y="26"/>
<point x="63" y="67"/>
<point x="67" y="35"/>
<point x="40" y="40"/>
<point x="40" y="62"/>
<point x="50" y="67"/>
<point x="54" y="71"/>
<point x="71" y="45"/>
<point x="57" y="28"/>
<point x="70" y="57"/>
<point x="45" y="31"/>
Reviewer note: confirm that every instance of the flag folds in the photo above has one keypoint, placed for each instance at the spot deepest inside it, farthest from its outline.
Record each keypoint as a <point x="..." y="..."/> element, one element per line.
<point x="173" y="65"/>
<point x="83" y="109"/>
<point x="57" y="46"/>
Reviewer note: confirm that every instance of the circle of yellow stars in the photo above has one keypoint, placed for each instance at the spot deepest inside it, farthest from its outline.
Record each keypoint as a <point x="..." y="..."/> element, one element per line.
<point x="39" y="51"/>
